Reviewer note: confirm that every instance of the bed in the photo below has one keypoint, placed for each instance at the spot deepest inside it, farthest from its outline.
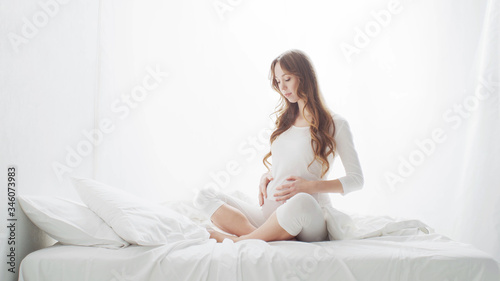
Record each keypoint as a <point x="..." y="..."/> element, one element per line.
<point x="410" y="253"/>
<point x="423" y="257"/>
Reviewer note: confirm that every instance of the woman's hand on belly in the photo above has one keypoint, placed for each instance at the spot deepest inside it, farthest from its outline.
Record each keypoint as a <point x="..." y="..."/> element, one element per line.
<point x="264" y="181"/>
<point x="297" y="185"/>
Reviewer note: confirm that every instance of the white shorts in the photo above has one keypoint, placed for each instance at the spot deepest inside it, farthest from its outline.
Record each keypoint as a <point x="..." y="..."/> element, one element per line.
<point x="301" y="216"/>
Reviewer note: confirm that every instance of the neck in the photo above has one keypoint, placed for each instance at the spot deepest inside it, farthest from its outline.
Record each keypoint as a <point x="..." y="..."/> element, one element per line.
<point x="301" y="108"/>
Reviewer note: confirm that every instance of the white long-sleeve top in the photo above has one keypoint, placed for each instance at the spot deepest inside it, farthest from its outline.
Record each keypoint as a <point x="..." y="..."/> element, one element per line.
<point x="292" y="153"/>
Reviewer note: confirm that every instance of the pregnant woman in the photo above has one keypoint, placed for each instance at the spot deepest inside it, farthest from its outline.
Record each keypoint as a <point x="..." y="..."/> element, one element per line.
<point x="293" y="194"/>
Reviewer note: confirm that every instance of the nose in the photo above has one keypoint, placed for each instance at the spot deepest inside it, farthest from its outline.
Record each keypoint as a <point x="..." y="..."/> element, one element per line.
<point x="282" y="87"/>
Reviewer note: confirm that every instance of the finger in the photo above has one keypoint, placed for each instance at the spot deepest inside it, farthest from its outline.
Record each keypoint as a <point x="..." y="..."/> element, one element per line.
<point x="280" y="194"/>
<point x="284" y="198"/>
<point x="260" y="199"/>
<point x="286" y="185"/>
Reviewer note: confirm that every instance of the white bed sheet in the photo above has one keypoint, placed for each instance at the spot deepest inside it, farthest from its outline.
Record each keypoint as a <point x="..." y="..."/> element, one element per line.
<point x="431" y="257"/>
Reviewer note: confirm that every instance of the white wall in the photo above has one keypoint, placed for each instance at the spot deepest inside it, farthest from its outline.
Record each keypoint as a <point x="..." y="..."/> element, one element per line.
<point x="48" y="86"/>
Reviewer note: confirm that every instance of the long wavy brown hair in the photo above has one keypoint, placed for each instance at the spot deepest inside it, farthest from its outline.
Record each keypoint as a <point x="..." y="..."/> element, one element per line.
<point x="322" y="127"/>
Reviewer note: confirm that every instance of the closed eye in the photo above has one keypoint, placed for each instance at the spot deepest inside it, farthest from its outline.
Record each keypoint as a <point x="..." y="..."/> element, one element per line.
<point x="285" y="80"/>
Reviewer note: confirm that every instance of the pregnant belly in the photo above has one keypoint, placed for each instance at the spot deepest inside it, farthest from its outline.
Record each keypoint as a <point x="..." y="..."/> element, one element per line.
<point x="271" y="188"/>
<point x="270" y="203"/>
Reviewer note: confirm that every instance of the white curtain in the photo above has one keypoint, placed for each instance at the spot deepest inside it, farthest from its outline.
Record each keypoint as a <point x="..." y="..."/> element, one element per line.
<point x="162" y="97"/>
<point x="477" y="198"/>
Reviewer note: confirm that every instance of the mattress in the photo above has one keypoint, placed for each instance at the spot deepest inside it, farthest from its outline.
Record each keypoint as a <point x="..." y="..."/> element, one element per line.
<point x="430" y="257"/>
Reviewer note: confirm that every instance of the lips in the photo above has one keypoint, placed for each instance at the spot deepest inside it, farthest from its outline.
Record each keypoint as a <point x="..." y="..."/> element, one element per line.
<point x="287" y="94"/>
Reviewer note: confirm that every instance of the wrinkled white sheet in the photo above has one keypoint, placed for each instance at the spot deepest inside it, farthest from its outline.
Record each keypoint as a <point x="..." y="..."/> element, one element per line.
<point x="431" y="257"/>
<point x="341" y="225"/>
<point x="391" y="249"/>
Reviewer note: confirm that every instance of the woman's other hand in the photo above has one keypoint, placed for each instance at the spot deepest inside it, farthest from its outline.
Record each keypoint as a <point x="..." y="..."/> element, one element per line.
<point x="296" y="185"/>
<point x="264" y="181"/>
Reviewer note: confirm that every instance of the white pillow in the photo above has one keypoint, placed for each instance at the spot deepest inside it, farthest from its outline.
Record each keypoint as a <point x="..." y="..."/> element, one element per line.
<point x="69" y="222"/>
<point x="134" y="219"/>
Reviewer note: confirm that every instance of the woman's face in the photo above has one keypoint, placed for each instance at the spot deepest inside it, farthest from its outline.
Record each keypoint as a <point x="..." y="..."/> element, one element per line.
<point x="287" y="83"/>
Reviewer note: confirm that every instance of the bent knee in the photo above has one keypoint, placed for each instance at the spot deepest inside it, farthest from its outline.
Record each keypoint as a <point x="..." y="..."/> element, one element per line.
<point x="302" y="202"/>
<point x="303" y="198"/>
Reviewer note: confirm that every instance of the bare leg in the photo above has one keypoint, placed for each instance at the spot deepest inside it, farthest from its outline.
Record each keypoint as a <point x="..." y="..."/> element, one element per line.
<point x="232" y="220"/>
<point x="269" y="231"/>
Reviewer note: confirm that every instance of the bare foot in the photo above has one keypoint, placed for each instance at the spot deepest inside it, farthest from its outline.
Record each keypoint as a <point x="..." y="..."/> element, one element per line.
<point x="219" y="236"/>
